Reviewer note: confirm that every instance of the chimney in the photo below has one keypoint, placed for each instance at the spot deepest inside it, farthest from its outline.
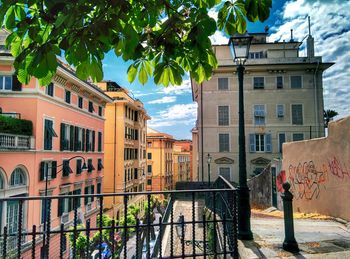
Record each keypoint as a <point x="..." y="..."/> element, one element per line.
<point x="291" y="36"/>
<point x="310" y="46"/>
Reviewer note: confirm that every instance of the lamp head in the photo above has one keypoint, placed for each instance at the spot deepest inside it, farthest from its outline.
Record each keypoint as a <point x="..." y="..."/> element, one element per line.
<point x="209" y="159"/>
<point x="84" y="167"/>
<point x="239" y="46"/>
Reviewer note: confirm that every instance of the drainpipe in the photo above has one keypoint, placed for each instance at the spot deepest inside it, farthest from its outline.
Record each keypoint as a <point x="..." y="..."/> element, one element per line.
<point x="316" y="100"/>
<point x="114" y="153"/>
<point x="202" y="137"/>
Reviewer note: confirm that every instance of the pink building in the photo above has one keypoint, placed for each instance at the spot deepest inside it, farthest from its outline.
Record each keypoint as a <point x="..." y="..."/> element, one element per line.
<point x="68" y="121"/>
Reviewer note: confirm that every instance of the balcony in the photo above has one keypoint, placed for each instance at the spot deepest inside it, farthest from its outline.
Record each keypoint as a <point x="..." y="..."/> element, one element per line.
<point x="188" y="222"/>
<point x="16" y="142"/>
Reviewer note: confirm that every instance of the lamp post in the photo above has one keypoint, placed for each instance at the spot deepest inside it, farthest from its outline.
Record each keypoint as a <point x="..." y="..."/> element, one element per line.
<point x="83" y="168"/>
<point x="209" y="161"/>
<point x="239" y="46"/>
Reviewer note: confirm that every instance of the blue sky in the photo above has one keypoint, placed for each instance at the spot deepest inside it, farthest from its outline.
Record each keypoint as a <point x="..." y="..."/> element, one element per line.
<point x="172" y="109"/>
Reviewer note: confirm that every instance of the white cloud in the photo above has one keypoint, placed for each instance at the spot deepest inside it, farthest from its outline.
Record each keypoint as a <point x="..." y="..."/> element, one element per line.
<point x="165" y="99"/>
<point x="330" y="27"/>
<point x="184" y="88"/>
<point x="178" y="114"/>
<point x="218" y="38"/>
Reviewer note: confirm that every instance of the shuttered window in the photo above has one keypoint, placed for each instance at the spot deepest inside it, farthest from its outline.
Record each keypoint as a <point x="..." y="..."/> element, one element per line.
<point x="225" y="172"/>
<point x="295" y="82"/>
<point x="260" y="143"/>
<point x="297" y="114"/>
<point x="67" y="96"/>
<point x="224" y="142"/>
<point x="49" y="133"/>
<point x="223" y="84"/>
<point x="99" y="142"/>
<point x="258" y="82"/>
<point x="259" y="114"/>
<point x="49" y="169"/>
<point x="298" y="136"/>
<point x="223" y="115"/>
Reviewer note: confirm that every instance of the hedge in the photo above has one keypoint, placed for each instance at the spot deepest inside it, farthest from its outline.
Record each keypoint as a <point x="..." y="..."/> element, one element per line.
<point x="15" y="126"/>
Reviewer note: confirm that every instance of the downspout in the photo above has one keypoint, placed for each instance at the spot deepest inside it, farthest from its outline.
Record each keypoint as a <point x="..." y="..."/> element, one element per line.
<point x="316" y="100"/>
<point x="202" y="137"/>
<point x="114" y="152"/>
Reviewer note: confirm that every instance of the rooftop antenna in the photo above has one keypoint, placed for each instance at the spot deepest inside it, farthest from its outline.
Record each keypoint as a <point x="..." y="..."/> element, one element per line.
<point x="308" y="18"/>
<point x="291" y="35"/>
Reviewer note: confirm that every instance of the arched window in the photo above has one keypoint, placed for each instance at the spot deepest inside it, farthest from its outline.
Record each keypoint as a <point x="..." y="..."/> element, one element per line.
<point x="18" y="177"/>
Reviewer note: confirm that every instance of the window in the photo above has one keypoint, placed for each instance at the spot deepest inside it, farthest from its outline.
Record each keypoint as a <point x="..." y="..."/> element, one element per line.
<point x="295" y="82"/>
<point x="79" y="166"/>
<point x="49" y="133"/>
<point x="89" y="190"/>
<point x="12" y="216"/>
<point x="18" y="177"/>
<point x="6" y="83"/>
<point x="67" y="96"/>
<point x="67" y="136"/>
<point x="44" y="211"/>
<point x="225" y="172"/>
<point x="91" y="107"/>
<point x="99" y="188"/>
<point x="259" y="114"/>
<point x="49" y="169"/>
<point x="279" y="82"/>
<point x="99" y="164"/>
<point x="90" y="166"/>
<point x="223" y="114"/>
<point x="149" y="168"/>
<point x="49" y="89"/>
<point x="66" y="170"/>
<point x="149" y="144"/>
<point x="256" y="55"/>
<point x="260" y="143"/>
<point x="258" y="82"/>
<point x="149" y="155"/>
<point x="99" y="111"/>
<point x="280" y="111"/>
<point x="224" y="142"/>
<point x="281" y="140"/>
<point x="80" y="102"/>
<point x="223" y="83"/>
<point x="149" y="182"/>
<point x="298" y="136"/>
<point x="66" y="205"/>
<point x="135" y="173"/>
<point x="99" y="142"/>
<point x="297" y="114"/>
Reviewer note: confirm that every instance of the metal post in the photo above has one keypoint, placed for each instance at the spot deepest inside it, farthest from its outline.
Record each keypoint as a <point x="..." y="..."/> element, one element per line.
<point x="244" y="231"/>
<point x="289" y="244"/>
<point x="45" y="212"/>
<point x="209" y="173"/>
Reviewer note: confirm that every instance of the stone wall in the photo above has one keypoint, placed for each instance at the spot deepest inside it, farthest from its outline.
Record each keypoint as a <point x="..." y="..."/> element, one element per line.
<point x="318" y="171"/>
<point x="260" y="190"/>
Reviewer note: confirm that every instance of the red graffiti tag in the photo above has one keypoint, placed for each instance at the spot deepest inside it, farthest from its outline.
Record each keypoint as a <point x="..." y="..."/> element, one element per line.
<point x="337" y="169"/>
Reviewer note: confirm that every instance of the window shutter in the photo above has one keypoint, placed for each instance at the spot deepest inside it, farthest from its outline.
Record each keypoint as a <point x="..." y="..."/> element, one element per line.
<point x="54" y="169"/>
<point x="87" y="140"/>
<point x="63" y="137"/>
<point x="268" y="143"/>
<point x="42" y="171"/>
<point x="83" y="141"/>
<point x="71" y="138"/>
<point x="86" y="199"/>
<point x="16" y="85"/>
<point x="50" y="129"/>
<point x="93" y="141"/>
<point x="92" y="192"/>
<point x="98" y="188"/>
<point x="46" y="134"/>
<point x="79" y="166"/>
<point x="76" y="144"/>
<point x="60" y="207"/>
<point x="252" y="143"/>
<point x="99" y="147"/>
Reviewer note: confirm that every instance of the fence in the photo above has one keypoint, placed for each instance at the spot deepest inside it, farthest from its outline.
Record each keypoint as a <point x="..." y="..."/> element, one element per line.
<point x="130" y="235"/>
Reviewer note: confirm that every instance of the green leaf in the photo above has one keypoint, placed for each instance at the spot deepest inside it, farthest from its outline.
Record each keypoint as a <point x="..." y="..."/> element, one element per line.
<point x="132" y="71"/>
<point x="10" y="21"/>
<point x="143" y="77"/>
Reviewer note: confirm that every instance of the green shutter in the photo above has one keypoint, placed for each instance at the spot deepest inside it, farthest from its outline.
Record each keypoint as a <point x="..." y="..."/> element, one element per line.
<point x="87" y="140"/>
<point x="99" y="147"/>
<point x="83" y="141"/>
<point x="76" y="144"/>
<point x="79" y="166"/>
<point x="16" y="84"/>
<point x="62" y="137"/>
<point x="60" y="207"/>
<point x="92" y="192"/>
<point x="86" y="199"/>
<point x="54" y="169"/>
<point x="71" y="138"/>
<point x="42" y="171"/>
<point x="93" y="141"/>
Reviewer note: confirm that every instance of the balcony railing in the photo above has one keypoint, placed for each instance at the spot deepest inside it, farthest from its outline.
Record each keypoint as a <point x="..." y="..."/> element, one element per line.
<point x="207" y="228"/>
<point x="11" y="114"/>
<point x="10" y="141"/>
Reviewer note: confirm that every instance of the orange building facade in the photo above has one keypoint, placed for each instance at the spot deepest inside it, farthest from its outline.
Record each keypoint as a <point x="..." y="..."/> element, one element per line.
<point x="67" y="119"/>
<point x="182" y="153"/>
<point x="160" y="175"/>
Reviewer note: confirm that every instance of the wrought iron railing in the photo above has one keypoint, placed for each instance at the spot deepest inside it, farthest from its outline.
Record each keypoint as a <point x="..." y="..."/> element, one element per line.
<point x="155" y="233"/>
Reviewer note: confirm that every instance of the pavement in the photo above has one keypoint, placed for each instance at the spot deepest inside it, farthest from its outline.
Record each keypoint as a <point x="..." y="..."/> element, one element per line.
<point x="316" y="239"/>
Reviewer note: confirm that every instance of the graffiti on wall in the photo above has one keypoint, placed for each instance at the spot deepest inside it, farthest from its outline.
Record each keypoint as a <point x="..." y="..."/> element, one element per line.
<point x="307" y="182"/>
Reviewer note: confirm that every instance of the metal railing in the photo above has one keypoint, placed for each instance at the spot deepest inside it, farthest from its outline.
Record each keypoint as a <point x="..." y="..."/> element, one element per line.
<point x="10" y="141"/>
<point x="150" y="234"/>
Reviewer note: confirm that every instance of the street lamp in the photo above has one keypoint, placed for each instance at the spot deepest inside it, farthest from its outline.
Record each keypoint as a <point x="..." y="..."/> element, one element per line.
<point x="239" y="45"/>
<point x="83" y="168"/>
<point x="209" y="161"/>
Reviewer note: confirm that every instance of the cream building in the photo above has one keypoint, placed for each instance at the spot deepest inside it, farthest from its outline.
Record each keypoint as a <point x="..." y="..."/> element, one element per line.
<point x="125" y="146"/>
<point x="182" y="161"/>
<point x="283" y="97"/>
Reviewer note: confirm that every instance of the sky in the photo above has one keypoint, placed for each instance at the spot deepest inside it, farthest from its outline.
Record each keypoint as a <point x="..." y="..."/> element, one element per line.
<point x="172" y="110"/>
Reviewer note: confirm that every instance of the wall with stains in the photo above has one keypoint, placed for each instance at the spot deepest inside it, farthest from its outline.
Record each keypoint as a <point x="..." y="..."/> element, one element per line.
<point x="319" y="172"/>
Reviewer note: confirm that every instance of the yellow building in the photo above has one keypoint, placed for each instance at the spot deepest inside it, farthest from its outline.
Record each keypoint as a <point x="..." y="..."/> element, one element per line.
<point x="125" y="146"/>
<point x="159" y="161"/>
<point x="182" y="161"/>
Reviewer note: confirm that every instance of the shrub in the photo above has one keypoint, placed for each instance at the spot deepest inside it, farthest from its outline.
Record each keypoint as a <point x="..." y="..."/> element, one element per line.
<point x="15" y="126"/>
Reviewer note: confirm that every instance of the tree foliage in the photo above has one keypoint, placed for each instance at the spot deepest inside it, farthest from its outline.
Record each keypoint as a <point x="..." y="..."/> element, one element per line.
<point x="328" y="116"/>
<point x="163" y="38"/>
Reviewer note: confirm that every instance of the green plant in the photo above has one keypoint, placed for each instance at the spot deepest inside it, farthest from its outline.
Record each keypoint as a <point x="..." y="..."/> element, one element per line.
<point x="15" y="126"/>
